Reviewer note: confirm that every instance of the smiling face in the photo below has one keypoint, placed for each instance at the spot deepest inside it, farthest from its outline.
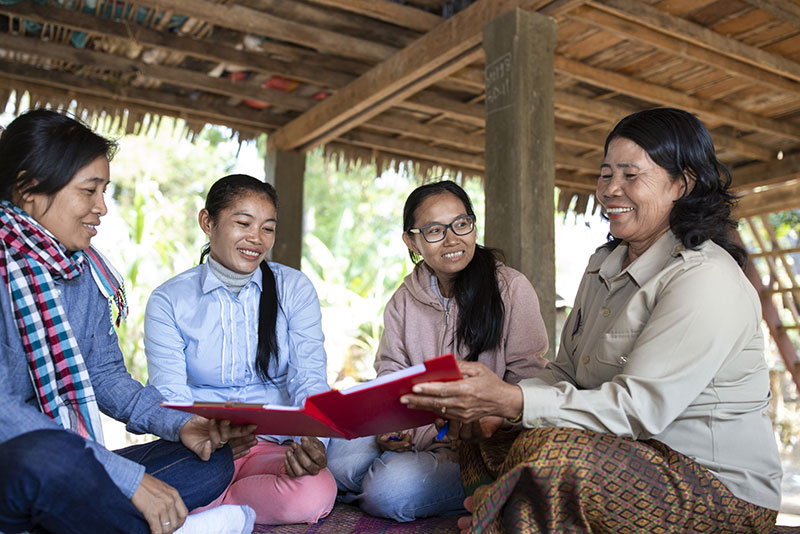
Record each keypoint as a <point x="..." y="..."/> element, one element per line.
<point x="73" y="213"/>
<point x="637" y="194"/>
<point x="451" y="255"/>
<point x="242" y="233"/>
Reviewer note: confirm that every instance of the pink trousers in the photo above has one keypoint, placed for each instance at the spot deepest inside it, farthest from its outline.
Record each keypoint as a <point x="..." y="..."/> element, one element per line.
<point x="260" y="481"/>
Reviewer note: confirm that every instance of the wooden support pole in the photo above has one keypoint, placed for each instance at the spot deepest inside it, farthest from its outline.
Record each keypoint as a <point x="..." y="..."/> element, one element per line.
<point x="520" y="147"/>
<point x="285" y="170"/>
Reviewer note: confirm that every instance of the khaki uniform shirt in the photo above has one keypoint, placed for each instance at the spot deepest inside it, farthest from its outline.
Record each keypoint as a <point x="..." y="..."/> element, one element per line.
<point x="669" y="348"/>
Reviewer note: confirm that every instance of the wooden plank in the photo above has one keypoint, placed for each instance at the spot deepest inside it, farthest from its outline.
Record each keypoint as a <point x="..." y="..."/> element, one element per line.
<point x="760" y="174"/>
<point x="772" y="200"/>
<point x="395" y="123"/>
<point x="412" y="149"/>
<point x="209" y="109"/>
<point x="579" y="138"/>
<point x="633" y="30"/>
<point x="248" y="20"/>
<point x="615" y="112"/>
<point x="669" y="97"/>
<point x="783" y="9"/>
<point x="402" y="15"/>
<point x="611" y="112"/>
<point x="176" y="76"/>
<point x="575" y="163"/>
<point x="336" y="21"/>
<point x="200" y="48"/>
<point x="573" y="181"/>
<point x="790" y="250"/>
<point x="434" y="104"/>
<point x="701" y="36"/>
<point x="447" y="48"/>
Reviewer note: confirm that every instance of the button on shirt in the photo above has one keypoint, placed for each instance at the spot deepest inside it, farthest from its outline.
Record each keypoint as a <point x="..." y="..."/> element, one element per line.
<point x="679" y="357"/>
<point x="201" y="340"/>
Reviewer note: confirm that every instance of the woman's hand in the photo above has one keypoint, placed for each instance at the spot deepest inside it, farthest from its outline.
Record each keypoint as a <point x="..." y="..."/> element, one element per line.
<point x="160" y="504"/>
<point x="394" y="441"/>
<point x="308" y="458"/>
<point x="203" y="436"/>
<point x="241" y="446"/>
<point x="479" y="394"/>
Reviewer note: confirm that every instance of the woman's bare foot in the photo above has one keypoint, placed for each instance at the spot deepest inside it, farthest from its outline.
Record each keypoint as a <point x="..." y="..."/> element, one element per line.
<point x="465" y="523"/>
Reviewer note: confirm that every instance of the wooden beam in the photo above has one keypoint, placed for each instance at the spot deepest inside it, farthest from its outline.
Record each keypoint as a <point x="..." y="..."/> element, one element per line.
<point x="411" y="149"/>
<point x="434" y="104"/>
<point x="583" y="139"/>
<point x="335" y="20"/>
<point x="629" y="29"/>
<point x="780" y="198"/>
<point x="427" y="102"/>
<point x="385" y="154"/>
<point x="575" y="163"/>
<point x="701" y="36"/>
<point x="447" y="48"/>
<point x="614" y="112"/>
<point x="248" y="20"/>
<point x="214" y="109"/>
<point x="402" y="15"/>
<point x="575" y="181"/>
<point x="173" y="75"/>
<point x="762" y="174"/>
<point x="200" y="48"/>
<point x="665" y="96"/>
<point x="783" y="9"/>
<point x="396" y="123"/>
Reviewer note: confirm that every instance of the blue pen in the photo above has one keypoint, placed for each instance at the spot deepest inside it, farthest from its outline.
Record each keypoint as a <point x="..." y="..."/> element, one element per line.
<point x="443" y="431"/>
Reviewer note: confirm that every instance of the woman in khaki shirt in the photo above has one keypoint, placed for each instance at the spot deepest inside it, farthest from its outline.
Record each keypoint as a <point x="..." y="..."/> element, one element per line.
<point x="653" y="417"/>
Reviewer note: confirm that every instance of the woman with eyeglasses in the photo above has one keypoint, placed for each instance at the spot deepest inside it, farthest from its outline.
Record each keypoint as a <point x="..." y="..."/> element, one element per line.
<point x="460" y="298"/>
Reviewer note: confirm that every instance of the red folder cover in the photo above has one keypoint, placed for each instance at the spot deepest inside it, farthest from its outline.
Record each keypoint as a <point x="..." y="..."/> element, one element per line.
<point x="363" y="410"/>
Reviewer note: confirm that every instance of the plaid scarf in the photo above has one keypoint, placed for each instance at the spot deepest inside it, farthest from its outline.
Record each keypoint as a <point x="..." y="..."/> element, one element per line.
<point x="30" y="259"/>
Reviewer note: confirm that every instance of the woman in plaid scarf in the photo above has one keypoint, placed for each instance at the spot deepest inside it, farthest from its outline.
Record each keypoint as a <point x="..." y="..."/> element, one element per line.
<point x="60" y="362"/>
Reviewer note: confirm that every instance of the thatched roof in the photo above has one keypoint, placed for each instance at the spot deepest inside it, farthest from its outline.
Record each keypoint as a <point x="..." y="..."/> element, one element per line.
<point x="397" y="81"/>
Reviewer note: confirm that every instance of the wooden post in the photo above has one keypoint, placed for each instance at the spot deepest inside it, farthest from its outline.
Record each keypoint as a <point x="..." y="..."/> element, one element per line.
<point x="520" y="129"/>
<point x="285" y="170"/>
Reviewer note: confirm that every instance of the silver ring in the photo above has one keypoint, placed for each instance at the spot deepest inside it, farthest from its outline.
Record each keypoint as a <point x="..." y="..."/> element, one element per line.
<point x="444" y="410"/>
<point x="166" y="524"/>
<point x="223" y="442"/>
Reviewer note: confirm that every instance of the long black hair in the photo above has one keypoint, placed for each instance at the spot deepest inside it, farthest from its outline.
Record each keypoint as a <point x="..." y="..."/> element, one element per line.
<point x="222" y="194"/>
<point x="41" y="150"/>
<point x="476" y="289"/>
<point x="679" y="142"/>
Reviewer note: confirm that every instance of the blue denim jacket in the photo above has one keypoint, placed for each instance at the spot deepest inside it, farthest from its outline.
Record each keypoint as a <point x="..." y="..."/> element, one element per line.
<point x="118" y="394"/>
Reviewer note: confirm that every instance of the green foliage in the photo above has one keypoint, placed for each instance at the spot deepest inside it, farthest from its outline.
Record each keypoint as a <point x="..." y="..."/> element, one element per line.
<point x="786" y="224"/>
<point x="151" y="232"/>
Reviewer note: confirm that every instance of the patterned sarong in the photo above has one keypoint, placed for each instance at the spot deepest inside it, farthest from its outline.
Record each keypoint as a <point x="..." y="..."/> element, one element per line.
<point x="564" y="480"/>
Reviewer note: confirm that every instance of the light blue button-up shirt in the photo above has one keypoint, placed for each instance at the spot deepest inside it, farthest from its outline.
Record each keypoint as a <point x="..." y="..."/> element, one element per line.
<point x="201" y="340"/>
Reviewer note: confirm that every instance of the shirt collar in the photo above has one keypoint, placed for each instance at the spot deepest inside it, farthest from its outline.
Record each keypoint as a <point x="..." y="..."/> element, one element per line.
<point x="210" y="282"/>
<point x="645" y="266"/>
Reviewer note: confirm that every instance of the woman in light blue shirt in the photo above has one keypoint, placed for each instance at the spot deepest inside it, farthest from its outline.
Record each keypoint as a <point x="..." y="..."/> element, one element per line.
<point x="240" y="328"/>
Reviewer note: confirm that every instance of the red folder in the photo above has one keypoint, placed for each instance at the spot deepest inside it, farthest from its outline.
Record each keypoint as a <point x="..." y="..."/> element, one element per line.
<point x="363" y="410"/>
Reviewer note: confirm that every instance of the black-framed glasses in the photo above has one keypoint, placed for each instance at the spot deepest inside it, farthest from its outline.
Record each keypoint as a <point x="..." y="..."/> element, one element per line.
<point x="435" y="232"/>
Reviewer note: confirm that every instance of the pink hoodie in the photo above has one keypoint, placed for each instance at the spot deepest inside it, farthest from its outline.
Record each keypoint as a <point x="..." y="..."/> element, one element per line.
<point x="417" y="327"/>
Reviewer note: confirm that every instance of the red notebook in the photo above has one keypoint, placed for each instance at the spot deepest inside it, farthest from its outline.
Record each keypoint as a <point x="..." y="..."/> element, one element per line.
<point x="363" y="410"/>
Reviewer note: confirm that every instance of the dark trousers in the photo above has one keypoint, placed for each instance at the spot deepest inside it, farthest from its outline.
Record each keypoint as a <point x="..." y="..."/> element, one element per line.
<point x="50" y="481"/>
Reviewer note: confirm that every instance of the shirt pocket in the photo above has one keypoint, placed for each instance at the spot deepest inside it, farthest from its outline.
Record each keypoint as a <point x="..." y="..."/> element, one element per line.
<point x="614" y="352"/>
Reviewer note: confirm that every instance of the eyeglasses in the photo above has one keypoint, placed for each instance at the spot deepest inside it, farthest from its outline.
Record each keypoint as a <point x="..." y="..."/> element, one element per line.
<point x="435" y="232"/>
